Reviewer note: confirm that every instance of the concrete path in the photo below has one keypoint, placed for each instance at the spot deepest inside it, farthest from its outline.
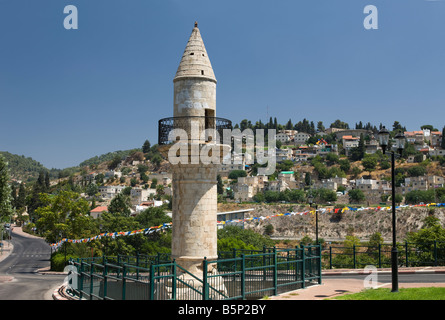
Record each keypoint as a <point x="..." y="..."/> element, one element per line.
<point x="331" y="288"/>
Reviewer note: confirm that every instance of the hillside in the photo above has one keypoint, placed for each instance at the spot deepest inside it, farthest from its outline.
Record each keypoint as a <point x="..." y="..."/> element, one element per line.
<point x="27" y="169"/>
<point x="21" y="167"/>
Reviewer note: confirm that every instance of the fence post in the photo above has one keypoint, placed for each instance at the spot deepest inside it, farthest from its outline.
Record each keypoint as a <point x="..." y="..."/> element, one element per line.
<point x="137" y="265"/>
<point x="124" y="282"/>
<point x="380" y="255"/>
<point x="152" y="282"/>
<point x="205" y="285"/>
<point x="435" y="253"/>
<point x="174" y="280"/>
<point x="275" y="272"/>
<point x="303" y="268"/>
<point x="81" y="280"/>
<point x="353" y="255"/>
<point x="91" y="280"/>
<point x="406" y="254"/>
<point x="264" y="263"/>
<point x="330" y="257"/>
<point x="319" y="263"/>
<point x="243" y="277"/>
<point x="105" y="278"/>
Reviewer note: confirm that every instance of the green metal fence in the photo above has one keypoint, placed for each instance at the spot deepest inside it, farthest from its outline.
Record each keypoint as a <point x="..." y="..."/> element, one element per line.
<point x="236" y="275"/>
<point x="409" y="255"/>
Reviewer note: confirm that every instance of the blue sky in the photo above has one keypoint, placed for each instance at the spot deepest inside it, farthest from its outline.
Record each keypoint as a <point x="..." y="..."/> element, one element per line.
<point x="68" y="95"/>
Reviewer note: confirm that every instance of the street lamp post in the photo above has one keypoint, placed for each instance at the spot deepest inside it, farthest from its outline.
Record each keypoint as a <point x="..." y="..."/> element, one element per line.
<point x="400" y="144"/>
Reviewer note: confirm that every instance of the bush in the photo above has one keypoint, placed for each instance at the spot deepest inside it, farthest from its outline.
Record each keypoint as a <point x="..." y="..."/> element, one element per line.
<point x="58" y="260"/>
<point x="249" y="237"/>
<point x="416" y="171"/>
<point x="418" y="196"/>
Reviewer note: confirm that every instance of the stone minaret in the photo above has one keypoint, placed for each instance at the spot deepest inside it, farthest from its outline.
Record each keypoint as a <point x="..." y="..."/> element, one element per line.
<point x="194" y="204"/>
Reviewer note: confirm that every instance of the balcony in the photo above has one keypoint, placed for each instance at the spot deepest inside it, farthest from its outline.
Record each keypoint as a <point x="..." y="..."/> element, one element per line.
<point x="189" y="123"/>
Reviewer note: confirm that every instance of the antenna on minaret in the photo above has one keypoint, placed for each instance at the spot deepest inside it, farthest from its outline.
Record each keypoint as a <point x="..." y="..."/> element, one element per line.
<point x="196" y="24"/>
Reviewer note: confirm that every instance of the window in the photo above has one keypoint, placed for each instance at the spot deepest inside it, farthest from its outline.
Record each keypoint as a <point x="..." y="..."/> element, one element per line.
<point x="202" y="72"/>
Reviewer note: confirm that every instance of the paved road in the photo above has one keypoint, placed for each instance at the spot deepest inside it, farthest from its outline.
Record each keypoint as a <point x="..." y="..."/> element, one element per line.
<point x="19" y="279"/>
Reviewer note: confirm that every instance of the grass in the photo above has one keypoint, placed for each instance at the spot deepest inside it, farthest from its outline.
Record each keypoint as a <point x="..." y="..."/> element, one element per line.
<point x="430" y="293"/>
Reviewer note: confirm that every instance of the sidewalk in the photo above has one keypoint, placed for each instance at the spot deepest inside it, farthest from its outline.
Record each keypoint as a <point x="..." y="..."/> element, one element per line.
<point x="331" y="288"/>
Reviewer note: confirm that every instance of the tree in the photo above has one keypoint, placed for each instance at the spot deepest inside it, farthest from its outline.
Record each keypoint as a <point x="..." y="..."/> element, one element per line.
<point x="356" y="195"/>
<point x="369" y="163"/>
<point x="358" y="152"/>
<point x="92" y="189"/>
<point x="115" y="162"/>
<point x="21" y="199"/>
<point x="5" y="191"/>
<point x="219" y="185"/>
<point x="345" y="165"/>
<point x="146" y="147"/>
<point x="120" y="204"/>
<point x="63" y="215"/>
<point x="235" y="174"/>
<point x="307" y="179"/>
<point x="339" y="124"/>
<point x="320" y="126"/>
<point x="427" y="239"/>
<point x="156" y="160"/>
<point x="416" y="171"/>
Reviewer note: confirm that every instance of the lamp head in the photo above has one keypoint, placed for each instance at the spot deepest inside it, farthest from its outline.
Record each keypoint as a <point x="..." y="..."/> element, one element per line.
<point x="383" y="138"/>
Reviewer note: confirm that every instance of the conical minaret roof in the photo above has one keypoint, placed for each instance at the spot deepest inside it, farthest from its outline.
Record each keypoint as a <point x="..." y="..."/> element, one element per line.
<point x="195" y="62"/>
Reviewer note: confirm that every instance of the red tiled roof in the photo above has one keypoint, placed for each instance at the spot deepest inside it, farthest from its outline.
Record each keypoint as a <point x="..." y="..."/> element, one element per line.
<point x="100" y="209"/>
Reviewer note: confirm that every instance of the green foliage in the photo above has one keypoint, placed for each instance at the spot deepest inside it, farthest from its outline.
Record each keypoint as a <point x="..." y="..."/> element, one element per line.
<point x="228" y="244"/>
<point x="269" y="229"/>
<point x="235" y="174"/>
<point x="64" y="215"/>
<point x="324" y="195"/>
<point x="356" y="195"/>
<point x="416" y="171"/>
<point x="369" y="162"/>
<point x="120" y="204"/>
<point x="345" y="165"/>
<point x="250" y="238"/>
<point x="418" y="196"/>
<point x="424" y="242"/>
<point x="107" y="157"/>
<point x="5" y="191"/>
<point x="21" y="167"/>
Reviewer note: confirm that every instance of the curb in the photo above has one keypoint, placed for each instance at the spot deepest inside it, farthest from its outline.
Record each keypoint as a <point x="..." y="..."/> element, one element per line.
<point x="56" y="294"/>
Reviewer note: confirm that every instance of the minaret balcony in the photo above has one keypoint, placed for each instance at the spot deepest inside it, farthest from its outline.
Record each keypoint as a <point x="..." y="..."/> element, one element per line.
<point x="193" y="126"/>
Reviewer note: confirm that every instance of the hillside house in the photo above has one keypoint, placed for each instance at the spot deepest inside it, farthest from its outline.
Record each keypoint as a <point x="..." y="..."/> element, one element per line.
<point x="301" y="138"/>
<point x="139" y="195"/>
<point x="97" y="212"/>
<point x="109" y="192"/>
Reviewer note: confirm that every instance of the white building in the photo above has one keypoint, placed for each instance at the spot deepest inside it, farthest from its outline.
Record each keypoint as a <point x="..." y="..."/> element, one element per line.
<point x="109" y="192"/>
<point x="138" y="195"/>
<point x="301" y="138"/>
